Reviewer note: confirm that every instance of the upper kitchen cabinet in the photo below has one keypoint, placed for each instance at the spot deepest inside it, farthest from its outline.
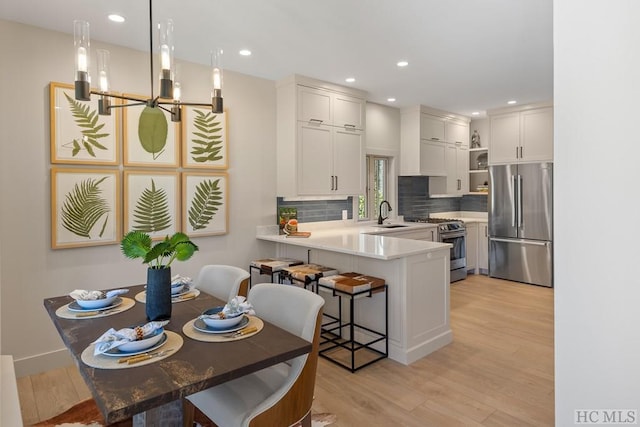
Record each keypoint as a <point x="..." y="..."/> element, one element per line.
<point x="320" y="138"/>
<point x="522" y="135"/>
<point x="435" y="143"/>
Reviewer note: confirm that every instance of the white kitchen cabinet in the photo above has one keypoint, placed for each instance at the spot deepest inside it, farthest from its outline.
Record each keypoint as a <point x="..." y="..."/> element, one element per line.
<point x="483" y="248"/>
<point x="423" y="144"/>
<point x="426" y="234"/>
<point x="432" y="127"/>
<point x="522" y="136"/>
<point x="457" y="168"/>
<point x="320" y="138"/>
<point x="457" y="132"/>
<point x="472" y="247"/>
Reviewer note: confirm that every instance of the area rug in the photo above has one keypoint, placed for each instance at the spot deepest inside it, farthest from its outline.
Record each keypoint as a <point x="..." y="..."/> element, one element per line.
<point x="86" y="414"/>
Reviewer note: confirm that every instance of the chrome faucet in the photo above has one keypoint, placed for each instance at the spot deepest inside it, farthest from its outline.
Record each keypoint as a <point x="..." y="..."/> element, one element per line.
<point x="380" y="217"/>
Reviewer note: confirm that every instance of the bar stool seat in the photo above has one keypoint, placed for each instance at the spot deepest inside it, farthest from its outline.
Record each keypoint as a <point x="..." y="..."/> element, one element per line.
<point x="334" y="342"/>
<point x="272" y="267"/>
<point x="307" y="274"/>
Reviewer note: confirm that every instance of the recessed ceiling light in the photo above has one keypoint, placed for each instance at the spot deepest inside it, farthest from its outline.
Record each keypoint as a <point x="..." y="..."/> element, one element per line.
<point x="391" y="100"/>
<point x="116" y="18"/>
<point x="245" y="52"/>
<point x="475" y="113"/>
<point x="402" y="63"/>
<point x="512" y="102"/>
<point x="350" y="79"/>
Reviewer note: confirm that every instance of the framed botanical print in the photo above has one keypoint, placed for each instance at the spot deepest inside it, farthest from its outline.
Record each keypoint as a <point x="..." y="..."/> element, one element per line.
<point x="152" y="202"/>
<point x="150" y="137"/>
<point x="79" y="135"/>
<point x="85" y="207"/>
<point x="204" y="203"/>
<point x="204" y="139"/>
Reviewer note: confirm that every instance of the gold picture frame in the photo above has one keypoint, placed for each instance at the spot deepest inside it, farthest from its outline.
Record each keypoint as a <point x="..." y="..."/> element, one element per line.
<point x="78" y="134"/>
<point x="85" y="207"/>
<point x="204" y="138"/>
<point x="152" y="202"/>
<point x="147" y="142"/>
<point x="205" y="203"/>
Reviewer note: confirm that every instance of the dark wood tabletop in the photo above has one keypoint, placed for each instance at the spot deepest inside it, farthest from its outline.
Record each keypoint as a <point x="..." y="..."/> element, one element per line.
<point x="122" y="393"/>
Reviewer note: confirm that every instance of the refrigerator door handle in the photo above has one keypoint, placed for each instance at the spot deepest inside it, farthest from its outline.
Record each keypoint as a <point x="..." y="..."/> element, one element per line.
<point x="514" y="202"/>
<point x="520" y="222"/>
<point x="527" y="242"/>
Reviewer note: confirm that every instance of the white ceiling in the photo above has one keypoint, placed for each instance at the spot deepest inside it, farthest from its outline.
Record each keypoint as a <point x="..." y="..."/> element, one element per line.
<point x="464" y="55"/>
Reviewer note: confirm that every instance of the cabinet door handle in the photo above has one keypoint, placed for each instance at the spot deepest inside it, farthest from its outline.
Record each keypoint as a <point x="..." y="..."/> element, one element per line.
<point x="336" y="182"/>
<point x="485" y="231"/>
<point x="433" y="138"/>
<point x="331" y="182"/>
<point x="432" y="236"/>
<point x="459" y="184"/>
<point x="521" y="156"/>
<point x="316" y="121"/>
<point x="516" y="152"/>
<point x="349" y="126"/>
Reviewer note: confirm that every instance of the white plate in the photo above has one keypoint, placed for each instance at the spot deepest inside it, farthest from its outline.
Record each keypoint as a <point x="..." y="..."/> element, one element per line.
<point x="185" y="290"/>
<point x="202" y="327"/>
<point x="74" y="306"/>
<point x="118" y="353"/>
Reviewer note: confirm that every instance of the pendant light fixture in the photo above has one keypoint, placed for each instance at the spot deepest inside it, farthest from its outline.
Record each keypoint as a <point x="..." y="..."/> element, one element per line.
<point x="168" y="98"/>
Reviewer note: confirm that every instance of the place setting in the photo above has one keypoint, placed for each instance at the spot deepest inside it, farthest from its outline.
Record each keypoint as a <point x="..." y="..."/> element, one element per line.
<point x="234" y="321"/>
<point x="131" y="347"/>
<point x="182" y="289"/>
<point x="88" y="304"/>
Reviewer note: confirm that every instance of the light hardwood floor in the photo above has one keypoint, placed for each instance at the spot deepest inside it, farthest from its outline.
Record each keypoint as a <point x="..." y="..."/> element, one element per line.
<point x="497" y="372"/>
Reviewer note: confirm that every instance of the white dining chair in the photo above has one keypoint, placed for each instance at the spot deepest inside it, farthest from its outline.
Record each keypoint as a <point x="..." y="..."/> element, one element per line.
<point x="223" y="281"/>
<point x="280" y="395"/>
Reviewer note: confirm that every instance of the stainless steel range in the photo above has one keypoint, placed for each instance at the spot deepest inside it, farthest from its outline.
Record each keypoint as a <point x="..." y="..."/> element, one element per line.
<point x="453" y="232"/>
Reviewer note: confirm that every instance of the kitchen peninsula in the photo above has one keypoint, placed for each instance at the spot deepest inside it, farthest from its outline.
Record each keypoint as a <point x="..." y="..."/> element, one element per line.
<point x="417" y="273"/>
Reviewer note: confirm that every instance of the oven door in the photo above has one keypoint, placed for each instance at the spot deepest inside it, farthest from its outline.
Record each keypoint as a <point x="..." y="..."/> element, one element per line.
<point x="458" y="252"/>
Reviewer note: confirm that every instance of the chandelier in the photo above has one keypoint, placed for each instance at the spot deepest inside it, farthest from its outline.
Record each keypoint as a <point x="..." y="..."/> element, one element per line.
<point x="169" y="97"/>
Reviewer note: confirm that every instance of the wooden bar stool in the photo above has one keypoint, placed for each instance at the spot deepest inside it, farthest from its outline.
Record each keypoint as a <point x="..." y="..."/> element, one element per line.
<point x="272" y="267"/>
<point x="333" y="340"/>
<point x="307" y="274"/>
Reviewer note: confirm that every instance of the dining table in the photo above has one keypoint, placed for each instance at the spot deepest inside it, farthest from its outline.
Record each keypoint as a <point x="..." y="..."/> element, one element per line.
<point x="155" y="388"/>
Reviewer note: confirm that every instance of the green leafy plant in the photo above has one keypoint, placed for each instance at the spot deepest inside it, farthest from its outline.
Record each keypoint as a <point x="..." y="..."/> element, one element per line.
<point x="205" y="203"/>
<point x="87" y="120"/>
<point x="152" y="210"/>
<point x="207" y="144"/>
<point x="137" y="244"/>
<point x="83" y="207"/>
<point x="153" y="130"/>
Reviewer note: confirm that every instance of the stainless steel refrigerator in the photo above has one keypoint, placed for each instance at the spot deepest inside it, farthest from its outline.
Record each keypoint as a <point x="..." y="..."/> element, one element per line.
<point x="521" y="223"/>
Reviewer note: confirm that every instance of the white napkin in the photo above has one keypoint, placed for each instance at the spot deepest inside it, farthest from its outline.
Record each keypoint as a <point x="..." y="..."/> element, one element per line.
<point x="179" y="280"/>
<point x="235" y="306"/>
<point x="113" y="339"/>
<point x="84" y="295"/>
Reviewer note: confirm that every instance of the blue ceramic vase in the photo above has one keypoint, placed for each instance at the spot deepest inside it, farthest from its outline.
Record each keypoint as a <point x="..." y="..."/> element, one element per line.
<point x="158" y="298"/>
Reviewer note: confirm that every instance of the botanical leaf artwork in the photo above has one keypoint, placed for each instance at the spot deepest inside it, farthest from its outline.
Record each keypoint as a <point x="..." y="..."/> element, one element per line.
<point x="208" y="137"/>
<point x="83" y="207"/>
<point x="87" y="120"/>
<point x="205" y="203"/>
<point x="152" y="210"/>
<point x="153" y="130"/>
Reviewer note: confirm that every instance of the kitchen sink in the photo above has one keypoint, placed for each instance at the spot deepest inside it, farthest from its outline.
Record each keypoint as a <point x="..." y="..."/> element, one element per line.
<point x="391" y="225"/>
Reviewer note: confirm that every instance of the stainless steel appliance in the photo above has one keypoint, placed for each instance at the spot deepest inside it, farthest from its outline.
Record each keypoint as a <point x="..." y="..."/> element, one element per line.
<point x="521" y="223"/>
<point x="453" y="232"/>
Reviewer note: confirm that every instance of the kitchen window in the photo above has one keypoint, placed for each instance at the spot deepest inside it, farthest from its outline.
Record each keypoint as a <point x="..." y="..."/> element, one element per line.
<point x="376" y="189"/>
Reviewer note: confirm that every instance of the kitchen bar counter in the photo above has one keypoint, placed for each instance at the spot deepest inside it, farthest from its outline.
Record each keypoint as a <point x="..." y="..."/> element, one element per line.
<point x="361" y="241"/>
<point x="416" y="272"/>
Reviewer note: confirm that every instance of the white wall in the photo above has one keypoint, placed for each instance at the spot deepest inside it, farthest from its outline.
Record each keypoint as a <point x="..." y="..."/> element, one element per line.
<point x="597" y="175"/>
<point x="30" y="270"/>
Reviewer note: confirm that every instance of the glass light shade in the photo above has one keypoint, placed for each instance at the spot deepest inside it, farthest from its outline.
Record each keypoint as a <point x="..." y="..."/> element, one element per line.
<point x="165" y="32"/>
<point x="103" y="69"/>
<point x="216" y="65"/>
<point x="176" y="92"/>
<point x="81" y="46"/>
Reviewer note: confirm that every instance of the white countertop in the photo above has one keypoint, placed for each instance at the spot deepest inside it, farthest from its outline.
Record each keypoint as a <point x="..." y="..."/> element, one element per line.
<point x="464" y="216"/>
<point x="359" y="240"/>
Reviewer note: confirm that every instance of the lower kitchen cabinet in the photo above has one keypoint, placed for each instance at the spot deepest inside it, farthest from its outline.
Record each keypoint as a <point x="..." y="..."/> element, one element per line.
<point x="477" y="248"/>
<point x="483" y="248"/>
<point x="472" y="247"/>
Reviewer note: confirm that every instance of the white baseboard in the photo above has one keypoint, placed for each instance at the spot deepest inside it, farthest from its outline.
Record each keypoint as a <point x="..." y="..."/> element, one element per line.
<point x="42" y="362"/>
